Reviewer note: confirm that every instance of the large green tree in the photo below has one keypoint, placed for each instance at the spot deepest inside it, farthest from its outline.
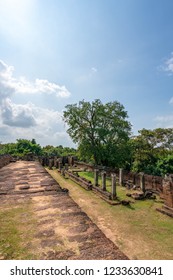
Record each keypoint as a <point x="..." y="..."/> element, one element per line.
<point x="101" y="130"/>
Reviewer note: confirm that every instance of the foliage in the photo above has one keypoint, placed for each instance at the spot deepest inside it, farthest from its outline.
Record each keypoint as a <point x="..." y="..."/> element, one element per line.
<point x="165" y="165"/>
<point x="22" y="147"/>
<point x="9" y="148"/>
<point x="150" y="149"/>
<point x="101" y="131"/>
<point x="58" y="151"/>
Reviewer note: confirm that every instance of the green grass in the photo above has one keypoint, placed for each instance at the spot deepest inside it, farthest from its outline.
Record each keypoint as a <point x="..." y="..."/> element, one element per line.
<point x="15" y="233"/>
<point x="121" y="191"/>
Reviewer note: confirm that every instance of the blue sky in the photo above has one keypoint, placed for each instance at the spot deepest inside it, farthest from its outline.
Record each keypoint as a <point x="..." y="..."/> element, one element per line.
<point x="55" y="52"/>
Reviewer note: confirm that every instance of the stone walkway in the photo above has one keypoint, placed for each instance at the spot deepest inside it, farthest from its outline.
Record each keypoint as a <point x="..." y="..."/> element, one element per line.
<point x="61" y="230"/>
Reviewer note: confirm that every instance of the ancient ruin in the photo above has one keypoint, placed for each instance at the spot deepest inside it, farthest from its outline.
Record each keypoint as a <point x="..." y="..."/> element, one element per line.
<point x="144" y="186"/>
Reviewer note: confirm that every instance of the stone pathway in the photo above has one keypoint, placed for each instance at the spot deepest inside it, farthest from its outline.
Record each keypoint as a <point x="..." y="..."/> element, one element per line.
<point x="61" y="230"/>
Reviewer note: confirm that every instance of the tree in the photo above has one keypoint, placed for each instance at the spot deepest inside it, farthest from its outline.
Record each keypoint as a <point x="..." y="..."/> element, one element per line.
<point x="165" y="165"/>
<point x="25" y="146"/>
<point x="149" y="147"/>
<point x="101" y="131"/>
<point x="58" y="151"/>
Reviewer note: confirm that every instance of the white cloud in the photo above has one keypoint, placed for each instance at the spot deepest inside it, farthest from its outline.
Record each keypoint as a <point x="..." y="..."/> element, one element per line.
<point x="28" y="120"/>
<point x="10" y="84"/>
<point x="94" y="70"/>
<point x="17" y="115"/>
<point x="168" y="65"/>
<point x="164" y="121"/>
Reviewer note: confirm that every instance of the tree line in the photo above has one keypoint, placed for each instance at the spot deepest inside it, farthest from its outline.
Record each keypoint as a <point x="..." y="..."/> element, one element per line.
<point x="103" y="135"/>
<point x="23" y="147"/>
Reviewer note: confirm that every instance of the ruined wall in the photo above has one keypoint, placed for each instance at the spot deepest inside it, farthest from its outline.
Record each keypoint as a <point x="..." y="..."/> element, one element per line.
<point x="130" y="179"/>
<point x="168" y="191"/>
<point x="167" y="208"/>
<point x="5" y="159"/>
<point x="154" y="183"/>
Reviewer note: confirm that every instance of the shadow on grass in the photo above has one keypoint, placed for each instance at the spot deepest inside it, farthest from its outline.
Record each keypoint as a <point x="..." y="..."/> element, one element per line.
<point x="129" y="207"/>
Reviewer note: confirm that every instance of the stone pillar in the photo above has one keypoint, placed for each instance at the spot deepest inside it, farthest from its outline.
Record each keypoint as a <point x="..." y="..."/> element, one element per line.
<point x="60" y="165"/>
<point x="56" y="164"/>
<point x="42" y="161"/>
<point x="51" y="163"/>
<point x="120" y="176"/>
<point x="103" y="181"/>
<point x="63" y="172"/>
<point x="142" y="182"/>
<point x="66" y="166"/>
<point x="167" y="208"/>
<point x="96" y="177"/>
<point x="47" y="161"/>
<point x="168" y="191"/>
<point x="113" y="186"/>
<point x="54" y="161"/>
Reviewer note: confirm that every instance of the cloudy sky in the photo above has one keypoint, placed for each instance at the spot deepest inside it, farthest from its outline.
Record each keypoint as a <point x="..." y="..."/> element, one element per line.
<point x="55" y="52"/>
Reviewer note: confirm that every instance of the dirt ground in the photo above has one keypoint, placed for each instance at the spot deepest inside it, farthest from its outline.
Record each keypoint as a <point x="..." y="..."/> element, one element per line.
<point x="39" y="220"/>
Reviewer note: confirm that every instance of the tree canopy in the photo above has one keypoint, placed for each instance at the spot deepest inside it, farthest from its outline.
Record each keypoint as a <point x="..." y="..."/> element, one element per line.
<point x="23" y="146"/>
<point x="101" y="130"/>
<point x="152" y="149"/>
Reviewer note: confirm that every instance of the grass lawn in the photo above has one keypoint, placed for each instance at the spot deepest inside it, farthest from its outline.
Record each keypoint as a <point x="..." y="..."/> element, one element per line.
<point x="16" y="226"/>
<point x="121" y="191"/>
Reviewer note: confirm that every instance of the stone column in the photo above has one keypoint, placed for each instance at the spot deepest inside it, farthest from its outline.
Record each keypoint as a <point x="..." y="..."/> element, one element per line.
<point x="142" y="182"/>
<point x="63" y="172"/>
<point x="168" y="191"/>
<point x="66" y="166"/>
<point x="113" y="186"/>
<point x="47" y="161"/>
<point x="60" y="165"/>
<point x="96" y="177"/>
<point x="51" y="162"/>
<point x="120" y="176"/>
<point x="42" y="161"/>
<point x="167" y="208"/>
<point x="54" y="161"/>
<point x="103" y="181"/>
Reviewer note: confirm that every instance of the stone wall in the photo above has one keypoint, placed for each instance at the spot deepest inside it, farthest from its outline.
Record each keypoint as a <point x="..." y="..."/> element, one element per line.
<point x="5" y="159"/>
<point x="153" y="183"/>
<point x="54" y="161"/>
<point x="167" y="208"/>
